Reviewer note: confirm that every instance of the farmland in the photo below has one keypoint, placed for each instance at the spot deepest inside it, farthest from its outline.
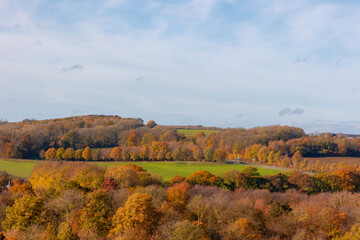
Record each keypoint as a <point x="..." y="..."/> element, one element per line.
<point x="23" y="168"/>
<point x="171" y="169"/>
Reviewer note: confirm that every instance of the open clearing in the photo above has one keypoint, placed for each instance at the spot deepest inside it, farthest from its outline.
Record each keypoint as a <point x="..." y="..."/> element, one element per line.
<point x="193" y="132"/>
<point x="23" y="168"/>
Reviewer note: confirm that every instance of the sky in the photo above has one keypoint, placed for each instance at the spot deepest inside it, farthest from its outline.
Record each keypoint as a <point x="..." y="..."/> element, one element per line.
<point x="223" y="63"/>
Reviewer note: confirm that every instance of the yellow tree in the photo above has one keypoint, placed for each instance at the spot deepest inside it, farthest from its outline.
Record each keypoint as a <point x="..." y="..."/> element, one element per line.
<point x="78" y="154"/>
<point x="69" y="154"/>
<point x="116" y="153"/>
<point x="132" y="139"/>
<point x="138" y="212"/>
<point x="87" y="154"/>
<point x="297" y="159"/>
<point x="25" y="211"/>
<point x="59" y="153"/>
<point x="50" y="154"/>
<point x="220" y="155"/>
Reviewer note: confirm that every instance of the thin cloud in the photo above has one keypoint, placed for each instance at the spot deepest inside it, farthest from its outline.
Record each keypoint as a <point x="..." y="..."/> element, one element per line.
<point x="289" y="112"/>
<point x="285" y="111"/>
<point x="240" y="115"/>
<point x="298" y="111"/>
<point x="139" y="78"/>
<point x="72" y="68"/>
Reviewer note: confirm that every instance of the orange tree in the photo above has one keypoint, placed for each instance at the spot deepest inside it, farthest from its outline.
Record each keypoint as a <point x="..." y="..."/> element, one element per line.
<point x="204" y="178"/>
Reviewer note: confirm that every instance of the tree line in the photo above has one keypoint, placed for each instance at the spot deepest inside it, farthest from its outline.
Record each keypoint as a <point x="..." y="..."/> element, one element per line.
<point x="112" y="138"/>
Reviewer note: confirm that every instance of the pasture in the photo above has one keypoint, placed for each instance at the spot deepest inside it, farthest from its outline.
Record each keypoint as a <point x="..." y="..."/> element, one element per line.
<point x="171" y="169"/>
<point x="193" y="132"/>
<point x="23" y="168"/>
<point x="17" y="168"/>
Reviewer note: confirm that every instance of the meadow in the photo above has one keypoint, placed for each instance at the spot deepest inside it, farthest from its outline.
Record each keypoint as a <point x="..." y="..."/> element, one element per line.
<point x="23" y="168"/>
<point x="193" y="132"/>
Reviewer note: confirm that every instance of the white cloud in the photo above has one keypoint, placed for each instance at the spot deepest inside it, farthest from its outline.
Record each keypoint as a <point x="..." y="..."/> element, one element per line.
<point x="186" y="72"/>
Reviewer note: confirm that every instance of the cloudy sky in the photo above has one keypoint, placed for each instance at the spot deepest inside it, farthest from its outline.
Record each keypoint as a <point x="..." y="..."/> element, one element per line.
<point x="223" y="63"/>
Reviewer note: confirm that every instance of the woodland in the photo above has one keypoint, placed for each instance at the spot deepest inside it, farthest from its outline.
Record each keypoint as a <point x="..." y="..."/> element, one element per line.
<point x="66" y="200"/>
<point x="69" y="197"/>
<point x="112" y="138"/>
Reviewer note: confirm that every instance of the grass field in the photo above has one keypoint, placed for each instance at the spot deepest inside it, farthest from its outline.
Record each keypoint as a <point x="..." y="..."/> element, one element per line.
<point x="23" y="168"/>
<point x="193" y="132"/>
<point x="17" y="168"/>
<point x="171" y="169"/>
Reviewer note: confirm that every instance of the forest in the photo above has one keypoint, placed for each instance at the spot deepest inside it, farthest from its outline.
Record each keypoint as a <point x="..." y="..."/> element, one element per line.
<point x="66" y="200"/>
<point x="69" y="197"/>
<point x="112" y="138"/>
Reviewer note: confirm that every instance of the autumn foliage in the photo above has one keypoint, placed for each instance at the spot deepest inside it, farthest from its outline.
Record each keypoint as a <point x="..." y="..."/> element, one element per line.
<point x="82" y="201"/>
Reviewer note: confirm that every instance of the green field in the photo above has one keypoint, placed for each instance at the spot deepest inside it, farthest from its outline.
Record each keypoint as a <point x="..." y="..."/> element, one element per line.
<point x="23" y="168"/>
<point x="193" y="132"/>
<point x="17" y="168"/>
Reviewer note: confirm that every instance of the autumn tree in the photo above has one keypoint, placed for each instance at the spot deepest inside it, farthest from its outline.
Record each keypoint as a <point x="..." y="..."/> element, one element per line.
<point x="59" y="153"/>
<point x="151" y="124"/>
<point x="220" y="155"/>
<point x="69" y="154"/>
<point x="349" y="180"/>
<point x="116" y="153"/>
<point x="204" y="178"/>
<point x="188" y="230"/>
<point x="78" y="154"/>
<point x="209" y="154"/>
<point x="71" y="139"/>
<point x="138" y="212"/>
<point x="86" y="154"/>
<point x="94" y="216"/>
<point x="251" y="171"/>
<point x="25" y="211"/>
<point x="20" y="186"/>
<point x="50" y="154"/>
<point x="131" y="175"/>
<point x="177" y="195"/>
<point x="241" y="229"/>
<point x="297" y="159"/>
<point x="177" y="179"/>
<point x="132" y="140"/>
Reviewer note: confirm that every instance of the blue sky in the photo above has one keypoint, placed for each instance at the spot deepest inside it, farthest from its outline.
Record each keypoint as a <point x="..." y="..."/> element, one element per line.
<point x="223" y="63"/>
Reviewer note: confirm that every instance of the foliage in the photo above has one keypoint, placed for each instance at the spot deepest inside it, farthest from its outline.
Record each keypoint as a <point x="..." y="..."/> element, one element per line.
<point x="178" y="195"/>
<point x="138" y="212"/>
<point x="4" y="180"/>
<point x="25" y="211"/>
<point x="204" y="178"/>
<point x="86" y="154"/>
<point x="94" y="216"/>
